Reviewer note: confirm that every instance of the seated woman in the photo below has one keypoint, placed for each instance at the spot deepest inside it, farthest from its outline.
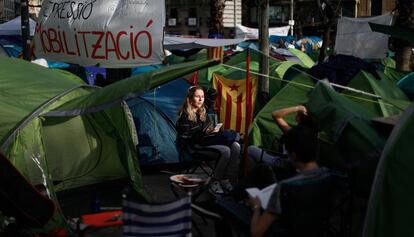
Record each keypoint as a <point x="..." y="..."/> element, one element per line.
<point x="302" y="118"/>
<point x="193" y="126"/>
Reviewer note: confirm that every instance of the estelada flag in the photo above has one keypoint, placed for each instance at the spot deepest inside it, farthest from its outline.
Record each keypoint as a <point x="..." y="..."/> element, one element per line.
<point x="231" y="101"/>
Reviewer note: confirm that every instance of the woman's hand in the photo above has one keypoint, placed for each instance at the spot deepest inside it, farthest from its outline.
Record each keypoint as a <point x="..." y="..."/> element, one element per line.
<point x="212" y="130"/>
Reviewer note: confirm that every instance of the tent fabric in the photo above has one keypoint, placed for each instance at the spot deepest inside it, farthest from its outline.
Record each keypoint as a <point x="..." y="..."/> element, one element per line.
<point x="399" y="32"/>
<point x="393" y="100"/>
<point x="16" y="84"/>
<point x="407" y="84"/>
<point x="346" y="123"/>
<point x="13" y="27"/>
<point x="155" y="114"/>
<point x="142" y="69"/>
<point x="3" y="51"/>
<point x="354" y="37"/>
<point x="12" y="44"/>
<point x="264" y="130"/>
<point x="303" y="57"/>
<point x="340" y="69"/>
<point x="394" y="74"/>
<point x="127" y="88"/>
<point x="171" y="42"/>
<point x="390" y="207"/>
<point x="68" y="152"/>
<point x="62" y="153"/>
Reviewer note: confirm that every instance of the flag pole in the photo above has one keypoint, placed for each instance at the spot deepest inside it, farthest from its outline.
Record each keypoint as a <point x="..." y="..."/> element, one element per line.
<point x="248" y="113"/>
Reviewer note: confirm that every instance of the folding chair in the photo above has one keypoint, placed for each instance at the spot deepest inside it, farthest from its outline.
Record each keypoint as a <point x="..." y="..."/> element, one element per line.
<point x="193" y="158"/>
<point x="138" y="219"/>
<point x="171" y="219"/>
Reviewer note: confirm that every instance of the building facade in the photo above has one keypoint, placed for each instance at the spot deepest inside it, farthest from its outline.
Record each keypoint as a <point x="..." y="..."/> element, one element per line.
<point x="7" y="10"/>
<point x="192" y="18"/>
<point x="374" y="7"/>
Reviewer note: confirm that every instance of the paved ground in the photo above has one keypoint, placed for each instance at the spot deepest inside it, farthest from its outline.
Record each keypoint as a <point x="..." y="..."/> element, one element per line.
<point x="159" y="187"/>
<point x="157" y="184"/>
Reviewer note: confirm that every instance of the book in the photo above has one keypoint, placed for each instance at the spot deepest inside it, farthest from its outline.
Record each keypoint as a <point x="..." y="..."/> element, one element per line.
<point x="263" y="195"/>
<point x="218" y="126"/>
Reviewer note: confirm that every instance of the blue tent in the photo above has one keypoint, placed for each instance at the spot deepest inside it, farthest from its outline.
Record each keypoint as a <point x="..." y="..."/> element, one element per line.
<point x="12" y="44"/>
<point x="155" y="114"/>
<point x="142" y="69"/>
<point x="406" y="84"/>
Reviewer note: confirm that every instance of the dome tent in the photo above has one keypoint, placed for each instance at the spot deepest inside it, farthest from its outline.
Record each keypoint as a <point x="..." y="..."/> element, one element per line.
<point x="63" y="134"/>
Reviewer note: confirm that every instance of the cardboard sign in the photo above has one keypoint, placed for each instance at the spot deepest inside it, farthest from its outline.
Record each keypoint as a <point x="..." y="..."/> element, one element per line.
<point x="110" y="33"/>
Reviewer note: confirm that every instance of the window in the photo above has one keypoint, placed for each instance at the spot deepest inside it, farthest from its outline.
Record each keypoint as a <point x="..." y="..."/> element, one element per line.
<point x="172" y="20"/>
<point x="192" y="17"/>
<point x="275" y="13"/>
<point x="278" y="14"/>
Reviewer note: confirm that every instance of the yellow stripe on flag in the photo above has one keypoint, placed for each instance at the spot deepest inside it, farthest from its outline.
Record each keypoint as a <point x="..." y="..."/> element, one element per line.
<point x="231" y="101"/>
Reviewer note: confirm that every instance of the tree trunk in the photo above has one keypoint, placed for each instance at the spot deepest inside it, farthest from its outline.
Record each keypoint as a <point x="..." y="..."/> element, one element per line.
<point x="405" y="18"/>
<point x="216" y="17"/>
<point x="329" y="16"/>
<point x="263" y="95"/>
<point x="326" y="40"/>
<point x="403" y="56"/>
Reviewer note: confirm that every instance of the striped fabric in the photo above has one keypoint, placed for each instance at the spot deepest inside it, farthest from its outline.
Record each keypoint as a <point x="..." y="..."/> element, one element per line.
<point x="215" y="53"/>
<point x="231" y="101"/>
<point x="172" y="219"/>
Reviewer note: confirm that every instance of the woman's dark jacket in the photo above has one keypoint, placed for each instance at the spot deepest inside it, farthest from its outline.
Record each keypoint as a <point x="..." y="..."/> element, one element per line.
<point x="191" y="132"/>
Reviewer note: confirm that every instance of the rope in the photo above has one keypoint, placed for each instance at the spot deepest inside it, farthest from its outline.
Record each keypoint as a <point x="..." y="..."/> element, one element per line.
<point x="332" y="84"/>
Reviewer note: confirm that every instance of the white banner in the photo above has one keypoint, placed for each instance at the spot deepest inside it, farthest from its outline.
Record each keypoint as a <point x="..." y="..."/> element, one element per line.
<point x="243" y="32"/>
<point x="354" y="37"/>
<point x="110" y="33"/>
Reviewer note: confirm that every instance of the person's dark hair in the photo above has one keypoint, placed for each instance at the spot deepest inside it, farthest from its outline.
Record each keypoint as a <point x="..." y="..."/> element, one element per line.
<point x="303" y="141"/>
<point x="308" y="121"/>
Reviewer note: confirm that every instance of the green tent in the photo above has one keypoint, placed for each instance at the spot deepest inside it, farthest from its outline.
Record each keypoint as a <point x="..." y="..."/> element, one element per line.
<point x="343" y="122"/>
<point x="63" y="134"/>
<point x="393" y="100"/>
<point x="303" y="57"/>
<point x="263" y="130"/>
<point x="391" y="207"/>
<point x="347" y="124"/>
<point x="238" y="60"/>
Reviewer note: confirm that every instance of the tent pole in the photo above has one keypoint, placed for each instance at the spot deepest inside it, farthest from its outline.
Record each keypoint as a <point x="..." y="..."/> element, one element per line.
<point x="24" y="11"/>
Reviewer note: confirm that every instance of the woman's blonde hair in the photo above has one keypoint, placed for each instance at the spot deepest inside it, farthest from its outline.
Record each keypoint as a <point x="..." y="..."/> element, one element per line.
<point x="188" y="109"/>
